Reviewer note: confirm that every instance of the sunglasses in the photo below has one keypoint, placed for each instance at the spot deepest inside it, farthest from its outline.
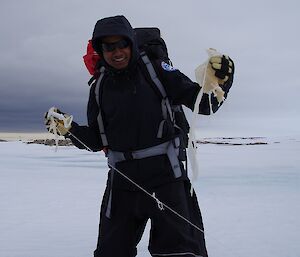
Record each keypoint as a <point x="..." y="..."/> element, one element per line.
<point x="109" y="47"/>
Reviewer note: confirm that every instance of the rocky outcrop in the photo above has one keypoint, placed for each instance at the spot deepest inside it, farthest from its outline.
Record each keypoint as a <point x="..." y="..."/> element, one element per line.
<point x="51" y="142"/>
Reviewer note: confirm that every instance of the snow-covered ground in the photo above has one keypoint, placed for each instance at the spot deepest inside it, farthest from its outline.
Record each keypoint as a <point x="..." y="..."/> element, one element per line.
<point x="249" y="196"/>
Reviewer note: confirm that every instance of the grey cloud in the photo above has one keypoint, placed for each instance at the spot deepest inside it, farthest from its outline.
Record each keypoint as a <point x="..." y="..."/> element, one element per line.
<point x="42" y="44"/>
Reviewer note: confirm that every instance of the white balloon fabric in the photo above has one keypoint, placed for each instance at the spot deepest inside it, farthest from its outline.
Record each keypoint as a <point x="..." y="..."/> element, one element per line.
<point x="205" y="76"/>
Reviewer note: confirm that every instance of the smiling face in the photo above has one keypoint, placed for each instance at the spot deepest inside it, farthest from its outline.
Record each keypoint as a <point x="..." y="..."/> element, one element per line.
<point x="116" y="51"/>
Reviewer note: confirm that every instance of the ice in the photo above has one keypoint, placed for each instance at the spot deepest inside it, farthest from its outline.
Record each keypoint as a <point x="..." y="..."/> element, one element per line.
<point x="249" y="197"/>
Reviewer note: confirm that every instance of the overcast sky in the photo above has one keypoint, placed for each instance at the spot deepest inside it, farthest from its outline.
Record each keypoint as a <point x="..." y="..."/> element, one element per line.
<point x="43" y="41"/>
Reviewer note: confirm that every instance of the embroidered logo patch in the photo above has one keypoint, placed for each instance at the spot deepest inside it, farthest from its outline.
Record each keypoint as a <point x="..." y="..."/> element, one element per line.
<point x="167" y="67"/>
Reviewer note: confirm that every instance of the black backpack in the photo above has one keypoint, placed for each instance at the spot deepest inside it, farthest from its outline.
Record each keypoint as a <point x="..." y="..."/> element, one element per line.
<point x="149" y="40"/>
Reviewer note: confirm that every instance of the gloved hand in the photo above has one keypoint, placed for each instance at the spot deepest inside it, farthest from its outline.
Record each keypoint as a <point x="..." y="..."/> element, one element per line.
<point x="223" y="67"/>
<point x="57" y="121"/>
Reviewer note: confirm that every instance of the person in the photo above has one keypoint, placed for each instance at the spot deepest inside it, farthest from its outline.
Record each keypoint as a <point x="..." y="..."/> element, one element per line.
<point x="131" y="112"/>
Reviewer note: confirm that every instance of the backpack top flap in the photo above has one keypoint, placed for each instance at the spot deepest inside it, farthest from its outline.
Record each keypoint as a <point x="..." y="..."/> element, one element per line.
<point x="150" y="41"/>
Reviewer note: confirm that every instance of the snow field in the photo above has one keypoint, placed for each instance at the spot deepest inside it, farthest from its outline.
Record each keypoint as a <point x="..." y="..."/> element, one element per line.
<point x="248" y="195"/>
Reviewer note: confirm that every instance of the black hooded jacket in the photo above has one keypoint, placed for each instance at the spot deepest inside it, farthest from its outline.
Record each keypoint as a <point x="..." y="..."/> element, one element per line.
<point x="111" y="26"/>
<point x="131" y="109"/>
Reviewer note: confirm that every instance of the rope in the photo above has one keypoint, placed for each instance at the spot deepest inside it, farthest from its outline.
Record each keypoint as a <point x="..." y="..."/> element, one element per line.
<point x="161" y="205"/>
<point x="86" y="147"/>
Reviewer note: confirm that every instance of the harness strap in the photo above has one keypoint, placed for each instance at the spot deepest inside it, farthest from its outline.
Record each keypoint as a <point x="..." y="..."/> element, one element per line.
<point x="170" y="148"/>
<point x="153" y="74"/>
<point x="99" y="117"/>
<point x="161" y="129"/>
<point x="165" y="103"/>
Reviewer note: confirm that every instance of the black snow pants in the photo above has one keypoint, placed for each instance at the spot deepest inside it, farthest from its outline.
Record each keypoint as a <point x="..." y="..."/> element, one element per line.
<point x="169" y="235"/>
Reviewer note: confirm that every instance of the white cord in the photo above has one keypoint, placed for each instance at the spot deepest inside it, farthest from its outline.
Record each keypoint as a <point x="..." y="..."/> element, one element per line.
<point x="87" y="148"/>
<point x="161" y="204"/>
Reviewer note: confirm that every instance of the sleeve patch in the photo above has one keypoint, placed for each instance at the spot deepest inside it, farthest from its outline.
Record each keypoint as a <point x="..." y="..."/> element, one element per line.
<point x="167" y="67"/>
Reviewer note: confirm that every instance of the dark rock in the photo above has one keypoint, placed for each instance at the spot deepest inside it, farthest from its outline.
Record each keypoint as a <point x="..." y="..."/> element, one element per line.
<point x="51" y="142"/>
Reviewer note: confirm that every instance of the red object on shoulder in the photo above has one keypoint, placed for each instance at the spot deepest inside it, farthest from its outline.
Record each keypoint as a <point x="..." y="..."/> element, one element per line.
<point x="91" y="58"/>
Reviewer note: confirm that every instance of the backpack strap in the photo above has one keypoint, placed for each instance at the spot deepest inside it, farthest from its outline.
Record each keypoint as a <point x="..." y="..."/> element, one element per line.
<point x="99" y="117"/>
<point x="165" y="103"/>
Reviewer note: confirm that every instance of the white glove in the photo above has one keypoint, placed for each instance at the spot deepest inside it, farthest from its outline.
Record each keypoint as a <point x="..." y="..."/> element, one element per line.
<point x="216" y="72"/>
<point x="58" y="122"/>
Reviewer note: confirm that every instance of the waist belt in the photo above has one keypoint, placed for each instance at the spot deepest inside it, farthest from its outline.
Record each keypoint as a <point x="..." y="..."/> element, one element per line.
<point x="170" y="148"/>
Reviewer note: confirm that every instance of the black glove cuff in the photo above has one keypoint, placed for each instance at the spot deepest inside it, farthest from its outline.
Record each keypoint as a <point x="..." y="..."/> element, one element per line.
<point x="225" y="68"/>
